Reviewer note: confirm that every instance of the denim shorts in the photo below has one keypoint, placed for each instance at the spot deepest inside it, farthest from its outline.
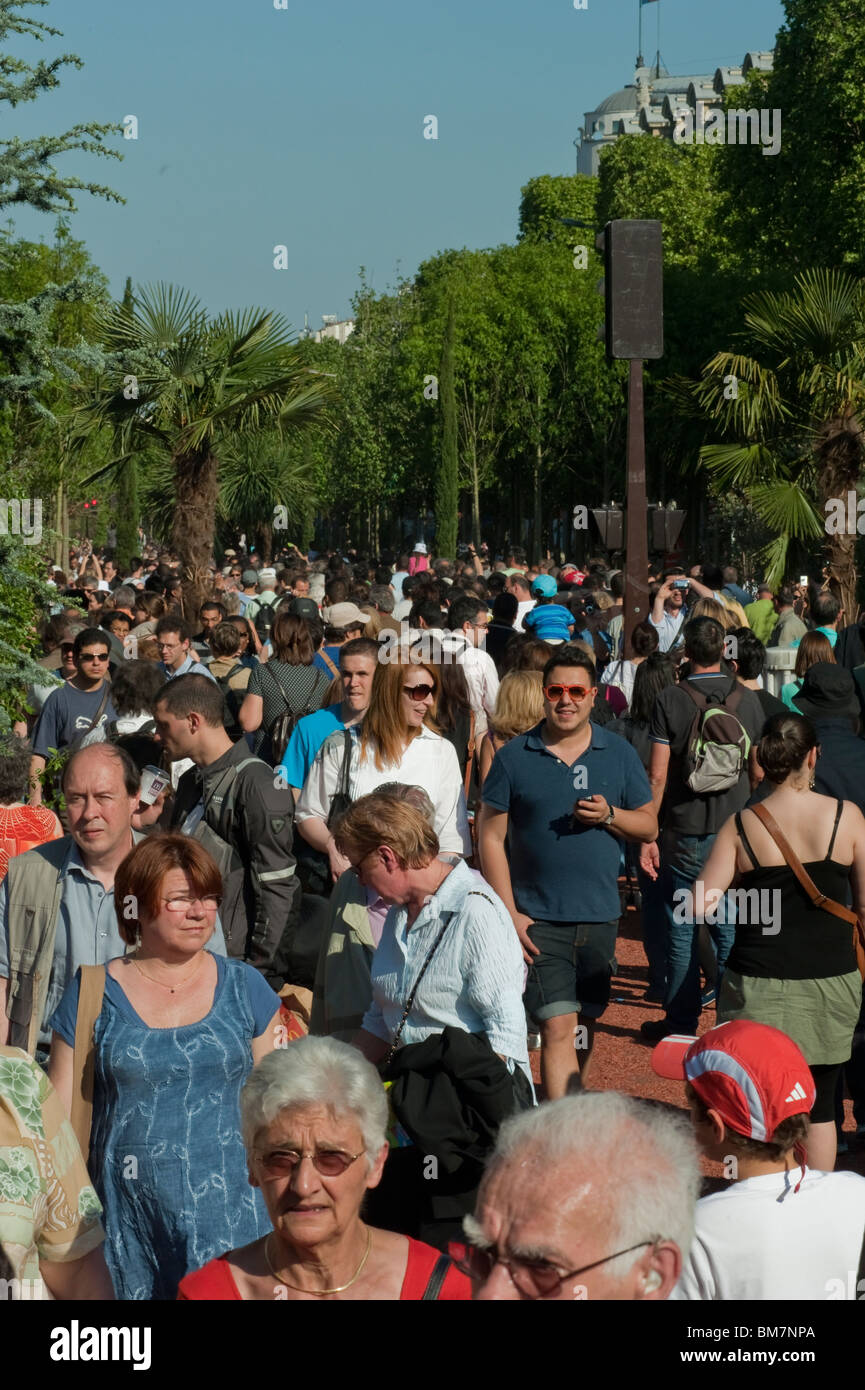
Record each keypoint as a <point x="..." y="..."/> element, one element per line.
<point x="573" y="972"/>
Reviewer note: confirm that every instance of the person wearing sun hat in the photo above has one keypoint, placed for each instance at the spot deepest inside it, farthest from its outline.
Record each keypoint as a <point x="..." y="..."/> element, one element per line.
<point x="419" y="560"/>
<point x="781" y="1230"/>
<point x="548" y="621"/>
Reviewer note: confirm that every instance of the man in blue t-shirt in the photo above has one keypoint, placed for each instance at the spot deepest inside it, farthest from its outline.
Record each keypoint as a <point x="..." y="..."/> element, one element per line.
<point x="556" y="803"/>
<point x="357" y="663"/>
<point x="76" y="708"/>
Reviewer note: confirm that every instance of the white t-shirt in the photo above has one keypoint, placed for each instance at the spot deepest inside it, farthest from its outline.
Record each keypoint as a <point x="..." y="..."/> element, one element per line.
<point x="523" y="607"/>
<point x="621" y="674"/>
<point x="759" y="1239"/>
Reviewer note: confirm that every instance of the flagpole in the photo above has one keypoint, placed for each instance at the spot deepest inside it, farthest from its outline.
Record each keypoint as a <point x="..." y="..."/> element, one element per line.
<point x="658" y="44"/>
<point x="640" y="33"/>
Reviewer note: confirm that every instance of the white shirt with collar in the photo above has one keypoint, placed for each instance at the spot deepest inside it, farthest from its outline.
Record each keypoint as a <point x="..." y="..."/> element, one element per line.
<point x="474" y="980"/>
<point x="481" y="675"/>
<point x="429" y="761"/>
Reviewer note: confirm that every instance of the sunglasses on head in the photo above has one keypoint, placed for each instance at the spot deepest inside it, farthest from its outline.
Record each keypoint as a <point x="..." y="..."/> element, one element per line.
<point x="576" y="692"/>
<point x="419" y="692"/>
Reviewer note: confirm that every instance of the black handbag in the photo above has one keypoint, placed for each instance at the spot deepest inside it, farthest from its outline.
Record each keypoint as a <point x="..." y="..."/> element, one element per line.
<point x="341" y="800"/>
<point x="313" y="865"/>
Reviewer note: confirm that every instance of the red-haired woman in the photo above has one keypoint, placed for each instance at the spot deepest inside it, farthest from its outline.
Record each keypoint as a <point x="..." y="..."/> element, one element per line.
<point x="396" y="742"/>
<point x="179" y="1031"/>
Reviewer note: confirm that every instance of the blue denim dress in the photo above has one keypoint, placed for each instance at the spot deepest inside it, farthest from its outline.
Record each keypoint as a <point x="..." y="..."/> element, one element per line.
<point x="166" y="1154"/>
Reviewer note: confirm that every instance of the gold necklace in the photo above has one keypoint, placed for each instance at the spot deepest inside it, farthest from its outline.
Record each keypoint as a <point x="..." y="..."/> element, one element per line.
<point x="322" y="1293"/>
<point x="170" y="988"/>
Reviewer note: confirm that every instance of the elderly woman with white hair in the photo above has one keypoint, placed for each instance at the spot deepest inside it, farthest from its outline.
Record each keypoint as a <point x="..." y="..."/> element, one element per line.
<point x="314" y="1116"/>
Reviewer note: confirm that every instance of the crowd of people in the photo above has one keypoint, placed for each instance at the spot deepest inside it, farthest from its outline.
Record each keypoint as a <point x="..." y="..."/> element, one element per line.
<point x="292" y="887"/>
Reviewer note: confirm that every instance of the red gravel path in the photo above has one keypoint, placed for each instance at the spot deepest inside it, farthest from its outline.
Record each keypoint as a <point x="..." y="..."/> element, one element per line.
<point x="622" y="1062"/>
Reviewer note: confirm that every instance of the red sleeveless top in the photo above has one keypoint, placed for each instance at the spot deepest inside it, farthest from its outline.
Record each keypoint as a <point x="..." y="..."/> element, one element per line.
<point x="214" y="1281"/>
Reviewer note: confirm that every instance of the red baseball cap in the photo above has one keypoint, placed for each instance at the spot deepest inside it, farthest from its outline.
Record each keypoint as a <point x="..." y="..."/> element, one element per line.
<point x="569" y="575"/>
<point x="753" y="1075"/>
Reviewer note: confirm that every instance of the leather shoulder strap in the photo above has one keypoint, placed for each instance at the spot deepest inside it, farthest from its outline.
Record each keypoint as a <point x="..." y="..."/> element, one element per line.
<point x="334" y="670"/>
<point x="818" y="899"/>
<point x="470" y="753"/>
<point x="433" y="1290"/>
<point x="90" y="998"/>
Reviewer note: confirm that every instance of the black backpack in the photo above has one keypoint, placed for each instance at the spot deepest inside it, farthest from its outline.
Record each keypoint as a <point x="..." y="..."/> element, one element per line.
<point x="264" y="621"/>
<point x="233" y="699"/>
<point x="283" y="726"/>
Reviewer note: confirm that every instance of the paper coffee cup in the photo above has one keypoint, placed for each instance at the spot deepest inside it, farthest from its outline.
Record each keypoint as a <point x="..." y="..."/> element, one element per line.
<point x="153" y="783"/>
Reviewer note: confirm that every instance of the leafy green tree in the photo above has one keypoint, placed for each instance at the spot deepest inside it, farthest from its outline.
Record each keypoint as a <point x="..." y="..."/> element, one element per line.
<point x="465" y="282"/>
<point x="447" y="484"/>
<point x="564" y="404"/>
<point x="24" y="599"/>
<point x="30" y="357"/>
<point x="199" y="381"/>
<point x="642" y="177"/>
<point x="383" y="449"/>
<point x="787" y="412"/>
<point x="550" y="197"/>
<point x="804" y="206"/>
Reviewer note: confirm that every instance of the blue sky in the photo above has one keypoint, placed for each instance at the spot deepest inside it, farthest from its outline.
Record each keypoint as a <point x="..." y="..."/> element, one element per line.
<point x="303" y="127"/>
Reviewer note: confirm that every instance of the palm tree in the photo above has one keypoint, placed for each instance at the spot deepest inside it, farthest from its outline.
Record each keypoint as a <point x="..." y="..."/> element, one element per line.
<point x="186" y="382"/>
<point x="790" y="416"/>
<point x="267" y="484"/>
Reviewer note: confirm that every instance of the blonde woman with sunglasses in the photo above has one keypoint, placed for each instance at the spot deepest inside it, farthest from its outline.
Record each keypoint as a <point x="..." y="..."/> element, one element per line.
<point x="397" y="741"/>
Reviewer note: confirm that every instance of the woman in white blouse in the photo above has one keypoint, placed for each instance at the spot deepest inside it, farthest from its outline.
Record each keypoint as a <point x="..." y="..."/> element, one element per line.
<point x="397" y="742"/>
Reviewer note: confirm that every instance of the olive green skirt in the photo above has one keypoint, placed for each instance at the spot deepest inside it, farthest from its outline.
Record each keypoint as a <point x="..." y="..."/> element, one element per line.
<point x="819" y="1015"/>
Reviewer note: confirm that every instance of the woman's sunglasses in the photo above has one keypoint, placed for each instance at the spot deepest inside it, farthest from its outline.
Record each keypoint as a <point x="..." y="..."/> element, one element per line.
<point x="419" y="692"/>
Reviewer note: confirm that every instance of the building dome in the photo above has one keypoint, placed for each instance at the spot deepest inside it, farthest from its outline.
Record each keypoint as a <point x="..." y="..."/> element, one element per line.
<point x="624" y="100"/>
<point x="653" y="103"/>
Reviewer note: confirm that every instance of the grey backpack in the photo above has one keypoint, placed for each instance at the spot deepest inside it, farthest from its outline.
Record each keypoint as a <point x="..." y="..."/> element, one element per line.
<point x="718" y="743"/>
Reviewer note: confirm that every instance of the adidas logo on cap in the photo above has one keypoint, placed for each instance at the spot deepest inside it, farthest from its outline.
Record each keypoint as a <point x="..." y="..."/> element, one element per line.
<point x="797" y="1093"/>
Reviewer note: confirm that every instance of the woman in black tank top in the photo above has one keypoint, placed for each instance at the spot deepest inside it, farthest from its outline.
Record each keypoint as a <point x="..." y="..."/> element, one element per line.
<point x="793" y="965"/>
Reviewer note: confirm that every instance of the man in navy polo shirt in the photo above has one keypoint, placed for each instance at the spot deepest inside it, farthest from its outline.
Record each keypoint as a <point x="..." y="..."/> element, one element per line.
<point x="563" y="796"/>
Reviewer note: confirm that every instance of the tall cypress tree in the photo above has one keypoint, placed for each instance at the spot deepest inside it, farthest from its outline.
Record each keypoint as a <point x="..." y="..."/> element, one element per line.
<point x="127" y="513"/>
<point x="447" y="483"/>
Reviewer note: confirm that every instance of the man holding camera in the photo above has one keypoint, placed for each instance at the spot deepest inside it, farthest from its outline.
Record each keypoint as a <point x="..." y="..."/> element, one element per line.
<point x="669" y="607"/>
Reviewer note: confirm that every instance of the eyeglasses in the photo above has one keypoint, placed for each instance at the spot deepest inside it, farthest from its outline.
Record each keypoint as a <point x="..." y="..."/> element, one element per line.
<point x="358" y="867"/>
<point x="419" y="692"/>
<point x="331" y="1163"/>
<point x="92" y="656"/>
<point x="210" y="902"/>
<point x="576" y="692"/>
<point x="539" y="1280"/>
